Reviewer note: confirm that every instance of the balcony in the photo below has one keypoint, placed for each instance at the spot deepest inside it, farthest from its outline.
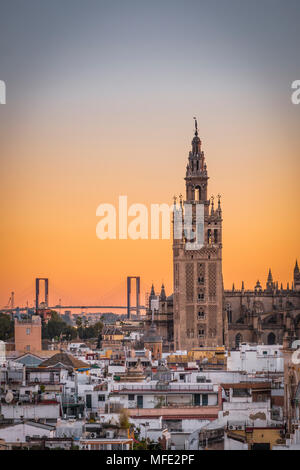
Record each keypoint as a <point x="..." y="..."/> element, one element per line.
<point x="170" y="388"/>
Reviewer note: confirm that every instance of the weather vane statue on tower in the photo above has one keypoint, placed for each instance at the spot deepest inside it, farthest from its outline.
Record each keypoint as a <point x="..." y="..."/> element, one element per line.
<point x="196" y="126"/>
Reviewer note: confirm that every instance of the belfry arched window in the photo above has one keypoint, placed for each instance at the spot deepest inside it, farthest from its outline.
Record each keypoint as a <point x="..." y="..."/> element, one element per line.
<point x="197" y="193"/>
<point x="215" y="236"/>
<point x="209" y="237"/>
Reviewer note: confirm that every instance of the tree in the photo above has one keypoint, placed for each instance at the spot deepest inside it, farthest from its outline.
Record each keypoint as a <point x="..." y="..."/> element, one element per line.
<point x="141" y="445"/>
<point x="98" y="327"/>
<point x="58" y="328"/>
<point x="87" y="332"/>
<point x="69" y="332"/>
<point x="6" y="327"/>
<point x="124" y="419"/>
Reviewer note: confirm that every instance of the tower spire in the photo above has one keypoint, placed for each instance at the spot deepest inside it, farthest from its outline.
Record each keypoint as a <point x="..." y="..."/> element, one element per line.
<point x="163" y="293"/>
<point x="152" y="293"/>
<point x="212" y="205"/>
<point x="270" y="284"/>
<point x="270" y="277"/>
<point x="296" y="277"/>
<point x="196" y="142"/>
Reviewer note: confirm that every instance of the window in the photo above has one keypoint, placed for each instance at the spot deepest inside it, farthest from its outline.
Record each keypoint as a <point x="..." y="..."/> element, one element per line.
<point x="101" y="397"/>
<point x="197" y="190"/>
<point x="197" y="399"/>
<point x="204" y="399"/>
<point x="201" y="296"/>
<point x="201" y="314"/>
<point x="201" y="379"/>
<point x="201" y="332"/>
<point x="271" y="338"/>
<point x="28" y="331"/>
<point x="130" y="397"/>
<point x="229" y="312"/>
<point x="28" y="347"/>
<point x="140" y="401"/>
<point x="215" y="236"/>
<point x="88" y="401"/>
<point x="241" y="392"/>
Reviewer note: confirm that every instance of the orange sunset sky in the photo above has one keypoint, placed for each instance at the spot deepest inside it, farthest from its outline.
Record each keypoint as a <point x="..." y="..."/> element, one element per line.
<point x="92" y="115"/>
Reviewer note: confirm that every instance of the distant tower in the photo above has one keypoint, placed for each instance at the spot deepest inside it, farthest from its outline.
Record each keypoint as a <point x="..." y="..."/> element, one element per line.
<point x="163" y="293"/>
<point x="28" y="334"/>
<point x="270" y="283"/>
<point x="296" y="277"/>
<point x="153" y="341"/>
<point x="198" y="282"/>
<point x="258" y="288"/>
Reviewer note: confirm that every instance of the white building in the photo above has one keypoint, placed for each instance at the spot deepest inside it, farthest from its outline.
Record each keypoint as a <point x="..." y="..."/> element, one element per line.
<point x="28" y="411"/>
<point x="152" y="394"/>
<point x="256" y="358"/>
<point x="18" y="433"/>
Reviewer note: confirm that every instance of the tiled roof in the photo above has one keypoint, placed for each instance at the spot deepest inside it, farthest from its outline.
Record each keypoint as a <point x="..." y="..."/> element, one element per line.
<point x="66" y="359"/>
<point x="43" y="354"/>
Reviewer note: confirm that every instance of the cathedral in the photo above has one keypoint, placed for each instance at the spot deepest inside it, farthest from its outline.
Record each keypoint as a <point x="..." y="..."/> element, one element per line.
<point x="200" y="313"/>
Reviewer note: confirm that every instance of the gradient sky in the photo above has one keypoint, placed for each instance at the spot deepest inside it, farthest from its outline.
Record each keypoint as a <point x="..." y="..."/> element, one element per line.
<point x="100" y="100"/>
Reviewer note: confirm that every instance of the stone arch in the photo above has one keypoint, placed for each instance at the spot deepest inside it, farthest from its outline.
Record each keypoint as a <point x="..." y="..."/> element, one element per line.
<point x="271" y="338"/>
<point x="197" y="193"/>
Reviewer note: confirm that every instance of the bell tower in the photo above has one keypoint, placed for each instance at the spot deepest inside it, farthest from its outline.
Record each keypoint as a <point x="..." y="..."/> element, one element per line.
<point x="296" y="277"/>
<point x="197" y="260"/>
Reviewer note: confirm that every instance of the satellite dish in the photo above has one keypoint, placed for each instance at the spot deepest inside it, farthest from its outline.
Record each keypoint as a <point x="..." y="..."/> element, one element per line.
<point x="9" y="397"/>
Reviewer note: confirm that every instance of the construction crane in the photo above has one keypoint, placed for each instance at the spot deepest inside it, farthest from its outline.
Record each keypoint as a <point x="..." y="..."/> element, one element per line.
<point x="11" y="301"/>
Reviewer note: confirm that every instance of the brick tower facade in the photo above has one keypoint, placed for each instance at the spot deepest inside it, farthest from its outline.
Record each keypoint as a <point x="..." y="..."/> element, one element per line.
<point x="197" y="261"/>
<point x="28" y="334"/>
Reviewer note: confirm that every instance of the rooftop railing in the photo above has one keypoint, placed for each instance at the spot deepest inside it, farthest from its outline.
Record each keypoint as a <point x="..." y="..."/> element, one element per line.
<point x="168" y="387"/>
